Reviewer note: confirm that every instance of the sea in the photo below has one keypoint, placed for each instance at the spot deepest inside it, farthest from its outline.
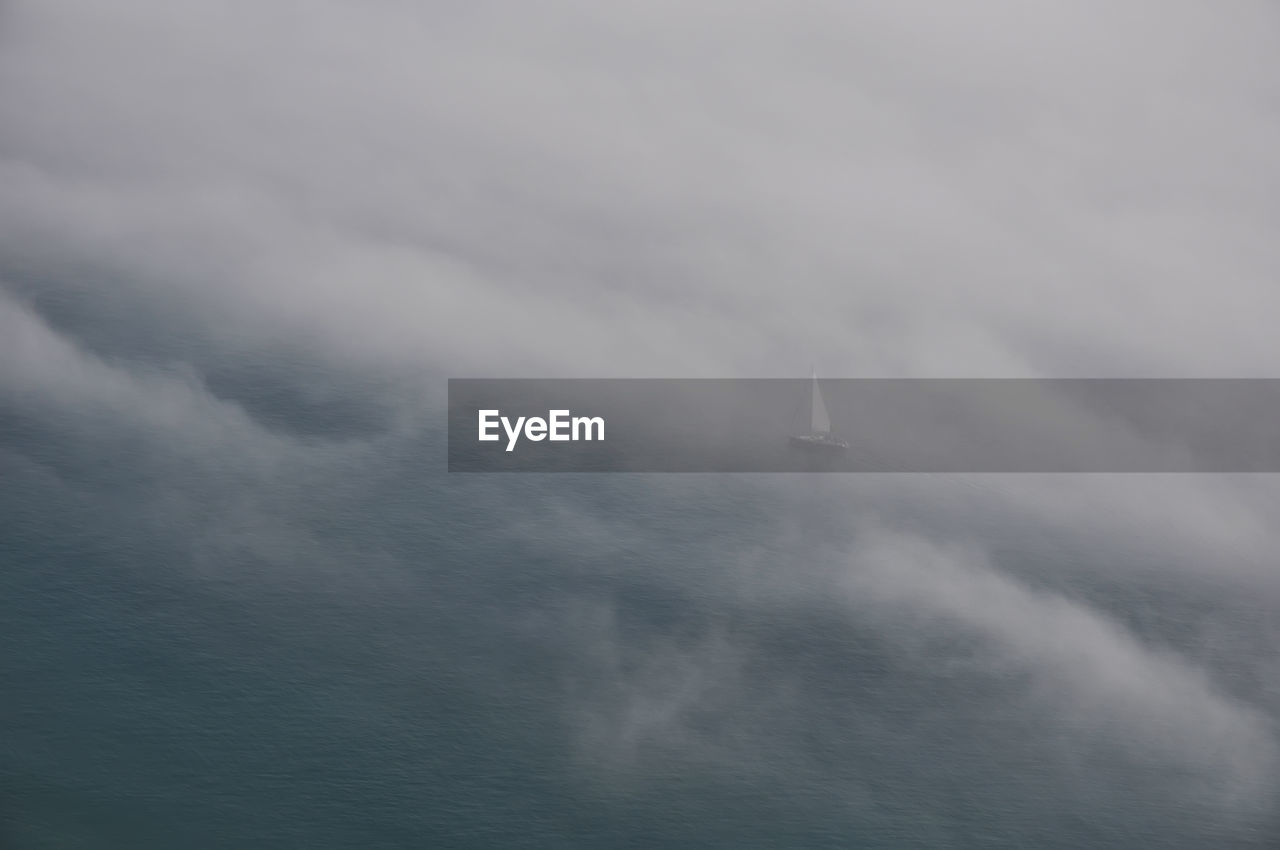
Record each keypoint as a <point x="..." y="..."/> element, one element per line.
<point x="244" y="605"/>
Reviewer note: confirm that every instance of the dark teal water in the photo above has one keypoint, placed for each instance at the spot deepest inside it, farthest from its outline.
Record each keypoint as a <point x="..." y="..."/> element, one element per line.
<point x="328" y="642"/>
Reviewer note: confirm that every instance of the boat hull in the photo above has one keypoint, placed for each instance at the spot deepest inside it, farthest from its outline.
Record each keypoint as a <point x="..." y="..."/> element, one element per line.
<point x="818" y="443"/>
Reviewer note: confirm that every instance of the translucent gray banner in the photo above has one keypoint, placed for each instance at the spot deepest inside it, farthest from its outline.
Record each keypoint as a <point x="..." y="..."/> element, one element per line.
<point x="864" y="425"/>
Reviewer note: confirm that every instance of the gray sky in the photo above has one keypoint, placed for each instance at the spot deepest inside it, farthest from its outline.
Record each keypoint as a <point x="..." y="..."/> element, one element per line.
<point x="1060" y="189"/>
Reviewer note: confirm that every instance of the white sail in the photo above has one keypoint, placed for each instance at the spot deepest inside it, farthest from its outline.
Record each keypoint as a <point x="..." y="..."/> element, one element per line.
<point x="821" y="422"/>
<point x="819" y="438"/>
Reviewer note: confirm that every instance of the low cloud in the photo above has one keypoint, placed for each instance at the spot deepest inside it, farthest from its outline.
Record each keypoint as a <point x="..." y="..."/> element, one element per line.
<point x="351" y="202"/>
<point x="1083" y="668"/>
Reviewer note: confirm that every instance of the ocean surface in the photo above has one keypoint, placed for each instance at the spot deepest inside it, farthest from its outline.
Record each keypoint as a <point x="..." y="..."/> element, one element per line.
<point x="233" y="614"/>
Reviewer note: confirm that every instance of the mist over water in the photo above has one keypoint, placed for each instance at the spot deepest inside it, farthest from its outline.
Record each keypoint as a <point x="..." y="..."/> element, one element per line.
<point x="243" y="604"/>
<point x="350" y="647"/>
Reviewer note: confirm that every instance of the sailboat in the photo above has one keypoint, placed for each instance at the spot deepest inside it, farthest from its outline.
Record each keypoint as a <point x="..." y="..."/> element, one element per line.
<point x="819" y="437"/>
